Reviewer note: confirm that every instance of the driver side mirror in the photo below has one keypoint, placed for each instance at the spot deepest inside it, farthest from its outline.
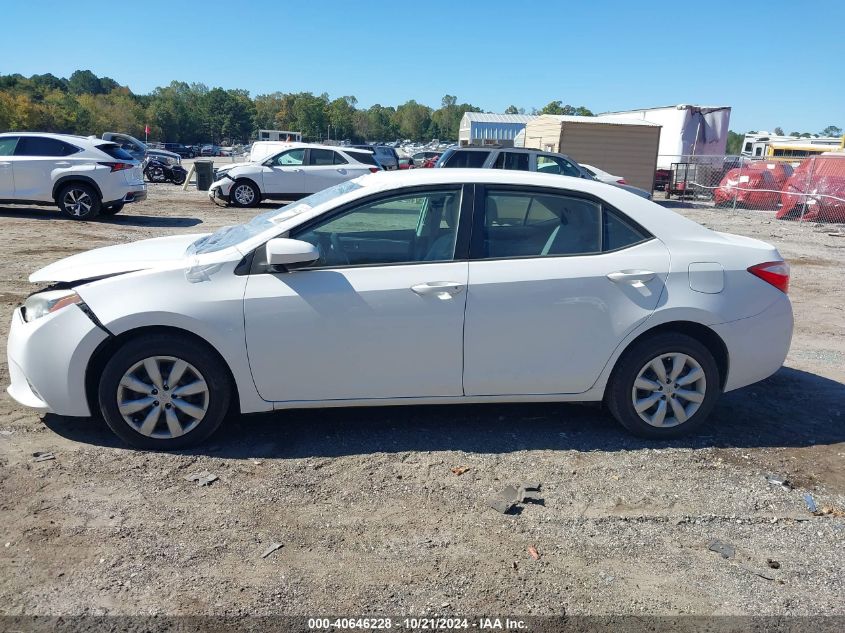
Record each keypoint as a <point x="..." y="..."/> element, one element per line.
<point x="284" y="252"/>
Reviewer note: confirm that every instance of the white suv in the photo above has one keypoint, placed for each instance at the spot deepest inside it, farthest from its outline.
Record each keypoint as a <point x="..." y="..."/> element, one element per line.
<point x="292" y="173"/>
<point x="85" y="177"/>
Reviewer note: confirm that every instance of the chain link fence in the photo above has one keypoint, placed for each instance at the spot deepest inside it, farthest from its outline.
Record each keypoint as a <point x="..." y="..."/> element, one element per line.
<point x="810" y="189"/>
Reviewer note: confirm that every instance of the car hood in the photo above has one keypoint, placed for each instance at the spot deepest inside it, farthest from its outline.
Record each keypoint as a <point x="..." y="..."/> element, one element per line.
<point x="113" y="260"/>
<point x="226" y="168"/>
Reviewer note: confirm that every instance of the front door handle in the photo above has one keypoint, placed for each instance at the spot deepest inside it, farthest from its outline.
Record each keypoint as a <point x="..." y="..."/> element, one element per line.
<point x="636" y="278"/>
<point x="63" y="163"/>
<point x="442" y="289"/>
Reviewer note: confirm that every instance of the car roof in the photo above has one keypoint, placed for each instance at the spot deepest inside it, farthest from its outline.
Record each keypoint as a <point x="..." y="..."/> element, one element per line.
<point x="73" y="139"/>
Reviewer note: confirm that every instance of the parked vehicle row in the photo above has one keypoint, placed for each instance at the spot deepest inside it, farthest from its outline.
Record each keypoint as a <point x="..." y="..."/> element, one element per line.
<point x="427" y="286"/>
<point x="84" y="177"/>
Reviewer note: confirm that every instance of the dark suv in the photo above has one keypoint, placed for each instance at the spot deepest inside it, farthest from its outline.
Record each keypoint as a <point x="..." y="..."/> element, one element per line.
<point x="386" y="156"/>
<point x="522" y="159"/>
<point x="183" y="150"/>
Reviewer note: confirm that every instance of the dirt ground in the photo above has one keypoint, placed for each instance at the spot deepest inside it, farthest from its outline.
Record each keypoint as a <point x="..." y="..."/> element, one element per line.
<point x="373" y="521"/>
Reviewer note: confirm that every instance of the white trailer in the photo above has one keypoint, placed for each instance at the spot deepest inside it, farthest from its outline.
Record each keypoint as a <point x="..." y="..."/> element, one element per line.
<point x="685" y="130"/>
<point x="280" y="135"/>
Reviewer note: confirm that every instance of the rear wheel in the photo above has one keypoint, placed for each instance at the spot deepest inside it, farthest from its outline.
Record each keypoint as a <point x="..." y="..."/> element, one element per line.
<point x="664" y="386"/>
<point x="164" y="392"/>
<point x="112" y="209"/>
<point x="79" y="201"/>
<point x="244" y="194"/>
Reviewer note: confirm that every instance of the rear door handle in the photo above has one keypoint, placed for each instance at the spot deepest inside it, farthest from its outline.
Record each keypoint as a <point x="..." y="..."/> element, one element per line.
<point x="63" y="163"/>
<point x="636" y="278"/>
<point x="442" y="289"/>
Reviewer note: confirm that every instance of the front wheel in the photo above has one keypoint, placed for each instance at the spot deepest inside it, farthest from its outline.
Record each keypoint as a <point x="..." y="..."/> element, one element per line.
<point x="664" y="386"/>
<point x="155" y="173"/>
<point x="164" y="392"/>
<point x="79" y="201"/>
<point x="178" y="178"/>
<point x="244" y="194"/>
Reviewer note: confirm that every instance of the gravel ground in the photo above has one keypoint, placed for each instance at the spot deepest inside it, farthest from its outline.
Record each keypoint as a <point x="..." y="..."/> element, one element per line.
<point x="372" y="519"/>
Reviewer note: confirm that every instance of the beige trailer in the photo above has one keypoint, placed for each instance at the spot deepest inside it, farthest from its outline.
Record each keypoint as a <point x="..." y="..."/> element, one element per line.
<point x="622" y="147"/>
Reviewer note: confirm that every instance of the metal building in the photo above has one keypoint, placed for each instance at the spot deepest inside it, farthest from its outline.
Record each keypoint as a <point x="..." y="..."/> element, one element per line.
<point x="626" y="147"/>
<point x="480" y="128"/>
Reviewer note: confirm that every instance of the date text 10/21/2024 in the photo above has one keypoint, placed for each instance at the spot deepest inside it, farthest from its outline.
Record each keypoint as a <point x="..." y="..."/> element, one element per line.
<point x="418" y="624"/>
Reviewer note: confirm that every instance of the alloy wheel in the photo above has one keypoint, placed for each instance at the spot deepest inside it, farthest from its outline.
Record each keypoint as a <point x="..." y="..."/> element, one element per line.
<point x="244" y="195"/>
<point x="669" y="390"/>
<point x="77" y="202"/>
<point x="163" y="397"/>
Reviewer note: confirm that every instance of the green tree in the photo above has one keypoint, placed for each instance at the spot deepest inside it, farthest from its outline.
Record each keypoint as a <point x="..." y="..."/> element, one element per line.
<point x="557" y="107"/>
<point x="446" y="120"/>
<point x="413" y="120"/>
<point x="831" y="130"/>
<point x="779" y="131"/>
<point x="84" y="82"/>
<point x="340" y="115"/>
<point x="734" y="144"/>
<point x="512" y="109"/>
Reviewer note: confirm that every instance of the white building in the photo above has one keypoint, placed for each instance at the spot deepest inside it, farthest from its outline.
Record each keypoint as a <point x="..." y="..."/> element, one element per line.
<point x="481" y="128"/>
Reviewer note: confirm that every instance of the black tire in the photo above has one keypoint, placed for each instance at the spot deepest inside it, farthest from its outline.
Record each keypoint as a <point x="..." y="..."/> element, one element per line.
<point x="244" y="202"/>
<point x="206" y="363"/>
<point x="178" y="178"/>
<point x="79" y="201"/>
<point x="619" y="395"/>
<point x="155" y="174"/>
<point x="190" y="154"/>
<point x="112" y="209"/>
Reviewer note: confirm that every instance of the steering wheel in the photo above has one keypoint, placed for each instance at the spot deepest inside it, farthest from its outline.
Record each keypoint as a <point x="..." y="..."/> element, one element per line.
<point x="337" y="250"/>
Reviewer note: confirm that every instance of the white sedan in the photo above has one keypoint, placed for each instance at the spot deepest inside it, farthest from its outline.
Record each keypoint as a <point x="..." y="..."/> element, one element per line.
<point x="419" y="287"/>
<point x="603" y="176"/>
<point x="297" y="170"/>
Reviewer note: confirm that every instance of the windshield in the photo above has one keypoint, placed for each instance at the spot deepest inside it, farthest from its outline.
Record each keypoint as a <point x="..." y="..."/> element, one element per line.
<point x="233" y="235"/>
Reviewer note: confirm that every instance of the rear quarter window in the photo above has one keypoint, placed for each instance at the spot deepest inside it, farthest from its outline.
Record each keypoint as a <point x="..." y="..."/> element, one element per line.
<point x="620" y="232"/>
<point x="115" y="151"/>
<point x="364" y="157"/>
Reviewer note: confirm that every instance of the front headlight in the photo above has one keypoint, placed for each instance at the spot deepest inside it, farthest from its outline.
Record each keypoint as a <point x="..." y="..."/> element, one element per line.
<point x="43" y="303"/>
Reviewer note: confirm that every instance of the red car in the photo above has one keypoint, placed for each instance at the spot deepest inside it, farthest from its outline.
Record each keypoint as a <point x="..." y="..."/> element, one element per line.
<point x="752" y="188"/>
<point x="406" y="163"/>
<point x="820" y="182"/>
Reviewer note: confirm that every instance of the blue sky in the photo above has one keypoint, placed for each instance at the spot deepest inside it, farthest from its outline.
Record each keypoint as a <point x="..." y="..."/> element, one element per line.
<point x="606" y="55"/>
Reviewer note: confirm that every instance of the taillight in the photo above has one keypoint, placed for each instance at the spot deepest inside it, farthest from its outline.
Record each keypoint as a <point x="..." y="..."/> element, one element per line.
<point x="621" y="181"/>
<point x="118" y="166"/>
<point x="374" y="170"/>
<point x="775" y="273"/>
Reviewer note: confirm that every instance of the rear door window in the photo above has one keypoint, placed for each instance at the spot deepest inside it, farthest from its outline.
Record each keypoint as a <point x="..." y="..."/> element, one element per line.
<point x="44" y="146"/>
<point x="466" y="159"/>
<point x="512" y="160"/>
<point x="321" y="157"/>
